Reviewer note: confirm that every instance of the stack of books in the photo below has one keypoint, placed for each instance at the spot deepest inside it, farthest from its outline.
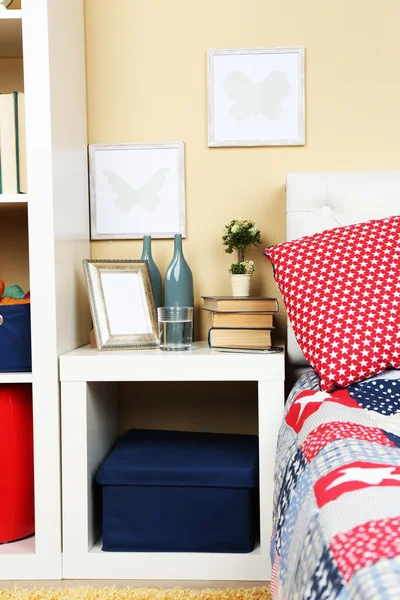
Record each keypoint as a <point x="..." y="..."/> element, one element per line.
<point x="12" y="144"/>
<point x="241" y="323"/>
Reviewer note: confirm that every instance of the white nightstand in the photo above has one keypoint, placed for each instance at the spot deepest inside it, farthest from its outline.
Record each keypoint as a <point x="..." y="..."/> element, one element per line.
<point x="89" y="381"/>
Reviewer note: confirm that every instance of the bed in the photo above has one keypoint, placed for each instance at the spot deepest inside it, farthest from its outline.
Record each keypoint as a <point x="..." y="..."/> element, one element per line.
<point x="336" y="517"/>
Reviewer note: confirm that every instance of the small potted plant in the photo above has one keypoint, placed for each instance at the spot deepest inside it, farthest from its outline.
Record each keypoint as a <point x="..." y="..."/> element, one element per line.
<point x="239" y="235"/>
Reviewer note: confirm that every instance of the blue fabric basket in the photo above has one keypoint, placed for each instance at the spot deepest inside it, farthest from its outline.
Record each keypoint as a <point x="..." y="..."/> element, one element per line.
<point x="168" y="491"/>
<point x="15" y="338"/>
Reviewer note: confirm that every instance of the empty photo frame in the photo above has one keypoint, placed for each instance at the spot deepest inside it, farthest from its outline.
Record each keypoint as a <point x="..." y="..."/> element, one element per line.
<point x="122" y="304"/>
<point x="137" y="190"/>
<point x="256" y="97"/>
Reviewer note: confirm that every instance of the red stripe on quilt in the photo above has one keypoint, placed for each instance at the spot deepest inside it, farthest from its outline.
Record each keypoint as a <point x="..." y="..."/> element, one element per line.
<point x="366" y="544"/>
<point x="337" y="430"/>
<point x="308" y="402"/>
<point x="274" y="577"/>
<point x="354" y="476"/>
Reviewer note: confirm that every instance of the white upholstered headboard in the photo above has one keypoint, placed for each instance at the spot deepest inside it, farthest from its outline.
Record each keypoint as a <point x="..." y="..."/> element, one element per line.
<point x="318" y="201"/>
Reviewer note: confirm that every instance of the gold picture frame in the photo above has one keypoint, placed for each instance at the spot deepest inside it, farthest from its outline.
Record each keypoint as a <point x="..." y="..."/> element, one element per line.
<point x="122" y="304"/>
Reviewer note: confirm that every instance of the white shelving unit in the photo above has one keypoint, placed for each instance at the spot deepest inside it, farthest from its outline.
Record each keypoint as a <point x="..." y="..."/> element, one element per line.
<point x="51" y="43"/>
<point x="89" y="384"/>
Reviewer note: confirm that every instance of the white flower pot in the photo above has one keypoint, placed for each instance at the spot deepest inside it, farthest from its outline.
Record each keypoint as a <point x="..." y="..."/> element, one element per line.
<point x="240" y="285"/>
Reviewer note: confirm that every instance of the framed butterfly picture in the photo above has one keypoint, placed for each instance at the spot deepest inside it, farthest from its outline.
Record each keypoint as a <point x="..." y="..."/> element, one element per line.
<point x="256" y="97"/>
<point x="137" y="190"/>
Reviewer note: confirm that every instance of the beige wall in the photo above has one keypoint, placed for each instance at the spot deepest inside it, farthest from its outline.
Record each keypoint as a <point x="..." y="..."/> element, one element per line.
<point x="146" y="73"/>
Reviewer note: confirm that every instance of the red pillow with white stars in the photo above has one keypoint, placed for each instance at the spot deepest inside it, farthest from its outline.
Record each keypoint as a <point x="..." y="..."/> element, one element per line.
<point x="341" y="288"/>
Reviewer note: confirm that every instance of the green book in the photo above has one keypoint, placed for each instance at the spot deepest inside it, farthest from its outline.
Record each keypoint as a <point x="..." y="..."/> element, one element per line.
<point x="20" y="141"/>
<point x="8" y="144"/>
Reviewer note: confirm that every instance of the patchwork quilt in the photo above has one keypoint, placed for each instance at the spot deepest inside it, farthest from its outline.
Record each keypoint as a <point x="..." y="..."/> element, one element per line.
<point x="337" y="492"/>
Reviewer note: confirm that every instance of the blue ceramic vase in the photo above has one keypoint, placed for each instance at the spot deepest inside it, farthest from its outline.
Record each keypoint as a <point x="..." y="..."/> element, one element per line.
<point x="155" y="274"/>
<point x="178" y="287"/>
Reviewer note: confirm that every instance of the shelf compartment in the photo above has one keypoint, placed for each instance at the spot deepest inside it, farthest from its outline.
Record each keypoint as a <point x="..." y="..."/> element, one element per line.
<point x="14" y="246"/>
<point x="11" y="74"/>
<point x="11" y="33"/>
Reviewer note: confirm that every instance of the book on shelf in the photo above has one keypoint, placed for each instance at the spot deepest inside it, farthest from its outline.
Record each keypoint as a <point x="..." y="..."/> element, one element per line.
<point x="21" y="150"/>
<point x="258" y="339"/>
<point x="271" y="350"/>
<point x="240" y="304"/>
<point x="12" y="144"/>
<point x="242" y="320"/>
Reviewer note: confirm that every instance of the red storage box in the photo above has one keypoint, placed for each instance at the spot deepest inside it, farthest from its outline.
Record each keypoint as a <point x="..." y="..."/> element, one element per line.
<point x="17" y="511"/>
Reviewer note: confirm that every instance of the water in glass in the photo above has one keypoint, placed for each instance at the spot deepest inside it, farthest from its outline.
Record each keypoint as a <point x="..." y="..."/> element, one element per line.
<point x="175" y="328"/>
<point x="176" y="335"/>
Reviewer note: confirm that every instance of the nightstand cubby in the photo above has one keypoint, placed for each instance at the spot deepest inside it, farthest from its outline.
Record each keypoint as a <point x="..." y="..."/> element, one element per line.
<point x="89" y="397"/>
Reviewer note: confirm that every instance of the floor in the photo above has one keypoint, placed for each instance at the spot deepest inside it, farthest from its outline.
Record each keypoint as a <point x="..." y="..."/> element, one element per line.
<point x="131" y="583"/>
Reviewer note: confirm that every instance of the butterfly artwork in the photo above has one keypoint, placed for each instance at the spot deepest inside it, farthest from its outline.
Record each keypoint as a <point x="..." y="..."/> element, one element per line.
<point x="137" y="189"/>
<point x="256" y="97"/>
<point x="146" y="196"/>
<point x="253" y="99"/>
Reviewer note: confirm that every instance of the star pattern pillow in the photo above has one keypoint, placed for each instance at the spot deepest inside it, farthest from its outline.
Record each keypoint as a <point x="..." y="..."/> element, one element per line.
<point x="341" y="288"/>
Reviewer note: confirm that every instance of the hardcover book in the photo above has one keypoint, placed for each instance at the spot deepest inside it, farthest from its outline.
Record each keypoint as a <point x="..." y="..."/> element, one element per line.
<point x="12" y="143"/>
<point x="238" y="320"/>
<point x="8" y="143"/>
<point x="240" y="304"/>
<point x="240" y="338"/>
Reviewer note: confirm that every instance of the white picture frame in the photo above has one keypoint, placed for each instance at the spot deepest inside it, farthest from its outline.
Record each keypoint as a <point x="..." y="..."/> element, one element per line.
<point x="137" y="190"/>
<point x="256" y="97"/>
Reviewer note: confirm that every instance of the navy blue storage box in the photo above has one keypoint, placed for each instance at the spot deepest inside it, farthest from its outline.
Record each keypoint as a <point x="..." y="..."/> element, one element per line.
<point x="168" y="491"/>
<point x="15" y="338"/>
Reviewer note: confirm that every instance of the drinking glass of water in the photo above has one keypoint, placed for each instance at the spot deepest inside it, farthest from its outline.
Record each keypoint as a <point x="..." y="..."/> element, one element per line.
<point x="176" y="327"/>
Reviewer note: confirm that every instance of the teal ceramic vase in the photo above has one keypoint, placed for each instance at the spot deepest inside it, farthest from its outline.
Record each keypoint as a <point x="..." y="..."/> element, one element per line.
<point x="178" y="287"/>
<point x="155" y="274"/>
